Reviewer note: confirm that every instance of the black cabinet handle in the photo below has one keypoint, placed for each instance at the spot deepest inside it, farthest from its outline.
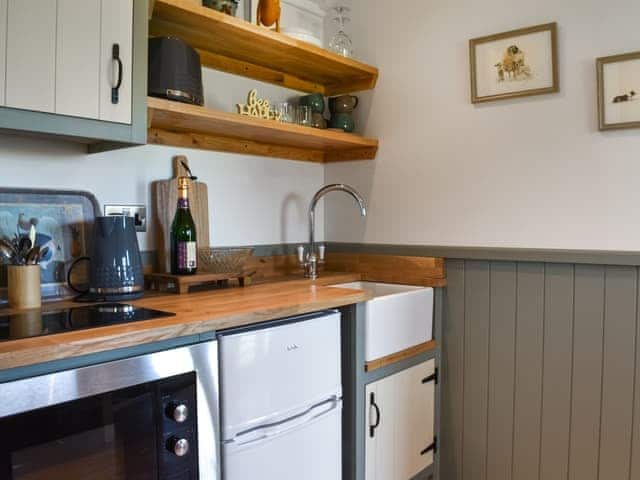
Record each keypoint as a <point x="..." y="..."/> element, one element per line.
<point x="372" y="428"/>
<point x="431" y="448"/>
<point x="115" y="91"/>
<point x="431" y="378"/>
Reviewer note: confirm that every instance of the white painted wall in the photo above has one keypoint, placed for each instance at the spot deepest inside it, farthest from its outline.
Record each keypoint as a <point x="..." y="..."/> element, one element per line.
<point x="532" y="172"/>
<point x="252" y="200"/>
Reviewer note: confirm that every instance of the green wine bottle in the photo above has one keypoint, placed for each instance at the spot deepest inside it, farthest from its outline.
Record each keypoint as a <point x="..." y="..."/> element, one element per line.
<point x="184" y="258"/>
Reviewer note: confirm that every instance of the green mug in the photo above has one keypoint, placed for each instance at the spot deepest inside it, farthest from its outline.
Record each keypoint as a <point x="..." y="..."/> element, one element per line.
<point x="315" y="101"/>
<point x="343" y="121"/>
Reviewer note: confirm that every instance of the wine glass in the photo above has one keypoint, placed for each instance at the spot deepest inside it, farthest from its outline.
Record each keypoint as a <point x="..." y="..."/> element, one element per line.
<point x="341" y="42"/>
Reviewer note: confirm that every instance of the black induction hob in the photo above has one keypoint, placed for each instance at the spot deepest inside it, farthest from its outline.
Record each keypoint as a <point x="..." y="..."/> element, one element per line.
<point x="35" y="323"/>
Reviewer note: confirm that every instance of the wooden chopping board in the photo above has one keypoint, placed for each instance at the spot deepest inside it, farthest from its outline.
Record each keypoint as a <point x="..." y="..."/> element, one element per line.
<point x="166" y="197"/>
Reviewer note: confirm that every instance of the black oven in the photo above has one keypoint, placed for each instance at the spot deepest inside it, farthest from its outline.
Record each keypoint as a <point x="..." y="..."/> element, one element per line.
<point x="131" y="419"/>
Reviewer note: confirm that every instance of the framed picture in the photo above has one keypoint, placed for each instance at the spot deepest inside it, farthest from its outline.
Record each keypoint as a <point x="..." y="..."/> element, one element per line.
<point x="63" y="221"/>
<point x="618" y="90"/>
<point x="513" y="64"/>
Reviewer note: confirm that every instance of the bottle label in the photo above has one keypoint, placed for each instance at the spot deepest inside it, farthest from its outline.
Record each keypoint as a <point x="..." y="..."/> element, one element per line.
<point x="187" y="258"/>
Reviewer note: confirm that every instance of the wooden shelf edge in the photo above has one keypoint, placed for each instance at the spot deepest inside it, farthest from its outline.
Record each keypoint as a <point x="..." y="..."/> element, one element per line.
<point x="185" y="20"/>
<point x="201" y="141"/>
<point x="186" y="126"/>
<point x="398" y="356"/>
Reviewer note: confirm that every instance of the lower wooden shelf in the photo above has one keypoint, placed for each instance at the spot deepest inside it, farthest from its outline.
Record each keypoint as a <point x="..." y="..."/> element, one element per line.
<point x="183" y="125"/>
<point x="402" y="355"/>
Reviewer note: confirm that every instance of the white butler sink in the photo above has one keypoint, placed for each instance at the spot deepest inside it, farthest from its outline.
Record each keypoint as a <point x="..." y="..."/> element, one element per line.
<point x="397" y="317"/>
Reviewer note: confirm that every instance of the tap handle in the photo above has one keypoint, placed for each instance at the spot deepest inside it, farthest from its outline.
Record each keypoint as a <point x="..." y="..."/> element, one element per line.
<point x="321" y="252"/>
<point x="301" y="258"/>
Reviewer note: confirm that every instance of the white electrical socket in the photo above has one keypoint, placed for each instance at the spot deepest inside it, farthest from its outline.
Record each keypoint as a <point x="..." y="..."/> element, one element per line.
<point x="138" y="212"/>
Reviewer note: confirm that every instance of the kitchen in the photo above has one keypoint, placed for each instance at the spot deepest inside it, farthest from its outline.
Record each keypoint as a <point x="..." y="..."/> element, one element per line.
<point x="525" y="201"/>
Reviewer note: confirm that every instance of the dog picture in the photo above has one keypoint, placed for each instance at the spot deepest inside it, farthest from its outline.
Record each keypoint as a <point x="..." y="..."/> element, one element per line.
<point x="618" y="91"/>
<point x="624" y="98"/>
<point x="516" y="63"/>
<point x="513" y="66"/>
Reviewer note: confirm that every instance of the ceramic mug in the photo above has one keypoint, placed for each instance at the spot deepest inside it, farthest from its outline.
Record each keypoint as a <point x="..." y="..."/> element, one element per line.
<point x="315" y="101"/>
<point x="318" y="121"/>
<point x="343" y="104"/>
<point x="343" y="121"/>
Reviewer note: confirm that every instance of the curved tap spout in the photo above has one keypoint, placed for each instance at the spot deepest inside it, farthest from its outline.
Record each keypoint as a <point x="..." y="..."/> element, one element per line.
<point x="337" y="187"/>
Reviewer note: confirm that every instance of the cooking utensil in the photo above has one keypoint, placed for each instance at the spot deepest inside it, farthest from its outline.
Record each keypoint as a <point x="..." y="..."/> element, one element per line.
<point x="33" y="257"/>
<point x="7" y="253"/>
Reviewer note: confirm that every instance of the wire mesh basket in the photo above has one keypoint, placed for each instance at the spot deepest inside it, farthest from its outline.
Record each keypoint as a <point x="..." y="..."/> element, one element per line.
<point x="223" y="260"/>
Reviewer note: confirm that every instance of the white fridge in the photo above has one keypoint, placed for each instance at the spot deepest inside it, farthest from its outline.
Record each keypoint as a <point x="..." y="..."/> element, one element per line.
<point x="281" y="400"/>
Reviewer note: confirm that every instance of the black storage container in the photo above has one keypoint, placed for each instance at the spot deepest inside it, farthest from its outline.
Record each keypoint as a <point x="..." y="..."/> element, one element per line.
<point x="175" y="71"/>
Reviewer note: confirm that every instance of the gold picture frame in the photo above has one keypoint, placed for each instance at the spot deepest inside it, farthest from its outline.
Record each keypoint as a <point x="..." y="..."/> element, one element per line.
<point x="504" y="73"/>
<point x="609" y="99"/>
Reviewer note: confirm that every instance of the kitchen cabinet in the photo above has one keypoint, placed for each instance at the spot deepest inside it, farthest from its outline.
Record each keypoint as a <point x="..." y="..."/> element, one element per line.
<point x="76" y="68"/>
<point x="117" y="32"/>
<point x="31" y="55"/>
<point x="400" y="423"/>
<point x="77" y="83"/>
<point x="3" y="47"/>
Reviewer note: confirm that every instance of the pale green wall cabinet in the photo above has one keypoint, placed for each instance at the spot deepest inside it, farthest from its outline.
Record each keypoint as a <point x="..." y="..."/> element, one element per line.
<point x="75" y="68"/>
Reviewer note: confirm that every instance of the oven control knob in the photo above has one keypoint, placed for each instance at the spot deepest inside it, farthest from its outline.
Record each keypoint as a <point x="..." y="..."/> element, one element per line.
<point x="179" y="446"/>
<point x="179" y="413"/>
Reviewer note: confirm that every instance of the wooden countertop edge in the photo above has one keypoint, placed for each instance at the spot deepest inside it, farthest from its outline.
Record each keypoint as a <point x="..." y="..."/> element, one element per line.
<point x="294" y="297"/>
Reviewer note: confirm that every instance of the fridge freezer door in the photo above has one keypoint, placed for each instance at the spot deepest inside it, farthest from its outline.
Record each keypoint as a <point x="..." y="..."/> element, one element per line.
<point x="273" y="374"/>
<point x="311" y="451"/>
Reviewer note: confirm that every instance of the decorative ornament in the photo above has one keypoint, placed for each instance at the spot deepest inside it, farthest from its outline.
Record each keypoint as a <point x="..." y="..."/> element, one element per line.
<point x="258" y="107"/>
<point x="269" y="13"/>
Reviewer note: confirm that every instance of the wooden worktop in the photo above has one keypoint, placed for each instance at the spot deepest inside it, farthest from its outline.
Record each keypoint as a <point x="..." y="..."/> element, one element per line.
<point x="196" y="313"/>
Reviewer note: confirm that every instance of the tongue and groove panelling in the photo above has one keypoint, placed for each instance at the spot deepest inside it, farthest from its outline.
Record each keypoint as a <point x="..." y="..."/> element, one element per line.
<point x="541" y="377"/>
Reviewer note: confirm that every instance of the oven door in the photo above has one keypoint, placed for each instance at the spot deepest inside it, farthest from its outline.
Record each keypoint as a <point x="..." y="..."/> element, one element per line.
<point x="130" y="419"/>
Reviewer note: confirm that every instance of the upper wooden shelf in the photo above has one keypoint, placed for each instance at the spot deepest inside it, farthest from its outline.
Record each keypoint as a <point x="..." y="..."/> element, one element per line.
<point x="233" y="45"/>
<point x="192" y="126"/>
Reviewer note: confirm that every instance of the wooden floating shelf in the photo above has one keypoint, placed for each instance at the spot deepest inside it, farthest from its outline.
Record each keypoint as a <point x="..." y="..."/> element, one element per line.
<point x="191" y="126"/>
<point x="235" y="46"/>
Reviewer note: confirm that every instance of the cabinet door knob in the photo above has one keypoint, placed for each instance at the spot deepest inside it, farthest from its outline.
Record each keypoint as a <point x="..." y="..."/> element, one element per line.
<point x="376" y="424"/>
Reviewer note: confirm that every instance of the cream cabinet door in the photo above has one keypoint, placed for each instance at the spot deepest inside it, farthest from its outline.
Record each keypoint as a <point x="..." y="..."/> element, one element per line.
<point x="400" y="424"/>
<point x="77" y="58"/>
<point x="380" y="432"/>
<point x="31" y="55"/>
<point x="117" y="33"/>
<point x="415" y="419"/>
<point x="3" y="47"/>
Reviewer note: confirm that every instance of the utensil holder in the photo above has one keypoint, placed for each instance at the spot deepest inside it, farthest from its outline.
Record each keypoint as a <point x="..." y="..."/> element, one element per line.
<point x="24" y="286"/>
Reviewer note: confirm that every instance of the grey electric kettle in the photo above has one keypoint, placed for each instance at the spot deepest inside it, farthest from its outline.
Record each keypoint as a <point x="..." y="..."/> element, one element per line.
<point x="115" y="264"/>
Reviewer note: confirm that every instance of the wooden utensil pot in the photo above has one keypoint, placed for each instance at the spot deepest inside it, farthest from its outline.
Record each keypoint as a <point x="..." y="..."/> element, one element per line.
<point x="24" y="286"/>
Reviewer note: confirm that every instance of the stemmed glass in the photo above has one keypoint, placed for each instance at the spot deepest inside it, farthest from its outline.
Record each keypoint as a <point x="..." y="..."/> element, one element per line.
<point x="341" y="42"/>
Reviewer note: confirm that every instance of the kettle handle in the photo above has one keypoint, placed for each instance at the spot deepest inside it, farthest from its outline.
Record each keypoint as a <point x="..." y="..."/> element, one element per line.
<point x="73" y="265"/>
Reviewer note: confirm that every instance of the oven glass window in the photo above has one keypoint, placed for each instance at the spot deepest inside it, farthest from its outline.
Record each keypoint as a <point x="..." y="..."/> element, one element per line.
<point x="106" y="437"/>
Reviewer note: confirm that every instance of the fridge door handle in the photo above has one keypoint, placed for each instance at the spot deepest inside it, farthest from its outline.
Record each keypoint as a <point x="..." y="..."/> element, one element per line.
<point x="265" y="432"/>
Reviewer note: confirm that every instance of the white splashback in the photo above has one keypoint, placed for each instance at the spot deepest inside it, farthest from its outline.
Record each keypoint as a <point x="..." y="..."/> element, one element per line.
<point x="252" y="200"/>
